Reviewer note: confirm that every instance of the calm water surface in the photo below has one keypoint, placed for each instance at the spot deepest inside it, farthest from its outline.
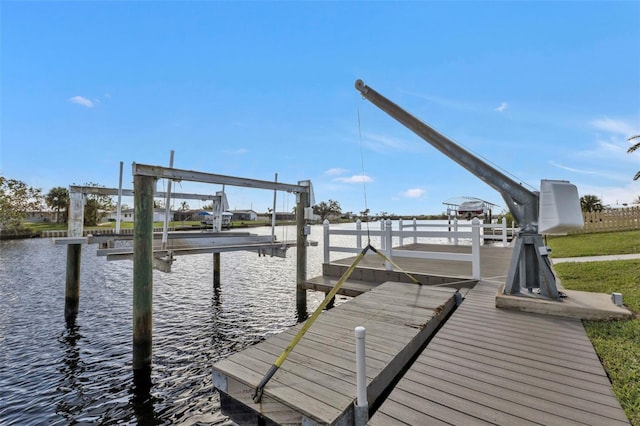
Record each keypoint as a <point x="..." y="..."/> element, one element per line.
<point x="51" y="374"/>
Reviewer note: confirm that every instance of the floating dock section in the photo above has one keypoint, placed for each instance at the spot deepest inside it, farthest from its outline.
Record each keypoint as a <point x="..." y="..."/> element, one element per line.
<point x="317" y="382"/>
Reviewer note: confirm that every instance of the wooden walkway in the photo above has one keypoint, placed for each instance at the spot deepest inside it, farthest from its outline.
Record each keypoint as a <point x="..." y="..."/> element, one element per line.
<point x="490" y="366"/>
<point x="316" y="383"/>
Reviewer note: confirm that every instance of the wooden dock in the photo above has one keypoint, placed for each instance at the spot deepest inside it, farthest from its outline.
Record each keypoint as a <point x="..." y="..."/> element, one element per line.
<point x="485" y="365"/>
<point x="317" y="382"/>
<point x="491" y="366"/>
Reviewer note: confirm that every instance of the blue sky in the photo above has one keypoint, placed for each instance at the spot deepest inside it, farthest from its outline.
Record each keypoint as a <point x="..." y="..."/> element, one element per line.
<point x="543" y="90"/>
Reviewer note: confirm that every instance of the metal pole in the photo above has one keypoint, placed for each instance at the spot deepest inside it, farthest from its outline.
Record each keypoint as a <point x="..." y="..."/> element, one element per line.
<point x="362" y="404"/>
<point x="143" y="272"/>
<point x="273" y="213"/>
<point x="119" y="207"/>
<point x="167" y="208"/>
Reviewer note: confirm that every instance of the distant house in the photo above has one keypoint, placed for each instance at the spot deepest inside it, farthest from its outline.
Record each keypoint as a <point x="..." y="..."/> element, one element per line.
<point x="127" y="215"/>
<point x="42" y="216"/>
<point x="239" y="215"/>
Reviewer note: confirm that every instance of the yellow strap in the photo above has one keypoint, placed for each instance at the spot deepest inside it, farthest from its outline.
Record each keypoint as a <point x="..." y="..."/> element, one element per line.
<point x="319" y="309"/>
<point x="411" y="277"/>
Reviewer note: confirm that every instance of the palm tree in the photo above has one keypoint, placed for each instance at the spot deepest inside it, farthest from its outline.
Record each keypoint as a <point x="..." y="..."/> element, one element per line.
<point x="590" y="203"/>
<point x="633" y="148"/>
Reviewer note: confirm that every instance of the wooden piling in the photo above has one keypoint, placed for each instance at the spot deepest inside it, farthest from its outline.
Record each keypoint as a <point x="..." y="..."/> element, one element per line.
<point x="74" y="229"/>
<point x="143" y="272"/>
<point x="301" y="254"/>
<point x="216" y="270"/>
<point x="72" y="288"/>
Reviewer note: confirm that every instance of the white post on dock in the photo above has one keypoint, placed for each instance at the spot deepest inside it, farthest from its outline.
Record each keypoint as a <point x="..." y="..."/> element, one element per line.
<point x="388" y="238"/>
<point x="325" y="240"/>
<point x="361" y="409"/>
<point x="382" y="239"/>
<point x="475" y="248"/>
<point x="401" y="242"/>
<point x="415" y="229"/>
<point x="504" y="232"/>
<point x="358" y="234"/>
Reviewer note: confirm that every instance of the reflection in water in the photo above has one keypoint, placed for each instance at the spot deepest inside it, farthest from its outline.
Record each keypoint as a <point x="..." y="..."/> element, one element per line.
<point x="142" y="402"/>
<point x="71" y="370"/>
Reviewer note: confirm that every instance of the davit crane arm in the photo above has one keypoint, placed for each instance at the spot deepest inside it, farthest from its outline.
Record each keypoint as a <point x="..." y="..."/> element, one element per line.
<point x="530" y="268"/>
<point x="522" y="203"/>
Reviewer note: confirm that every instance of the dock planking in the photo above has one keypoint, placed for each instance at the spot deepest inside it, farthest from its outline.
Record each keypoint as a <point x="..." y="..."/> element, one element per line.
<point x="316" y="383"/>
<point x="491" y="366"/>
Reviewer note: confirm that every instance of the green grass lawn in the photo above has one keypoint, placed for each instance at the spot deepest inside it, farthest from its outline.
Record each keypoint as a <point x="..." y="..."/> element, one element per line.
<point x="617" y="343"/>
<point x="623" y="242"/>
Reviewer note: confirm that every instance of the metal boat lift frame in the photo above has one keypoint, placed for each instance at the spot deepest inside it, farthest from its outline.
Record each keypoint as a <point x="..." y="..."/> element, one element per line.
<point x="144" y="182"/>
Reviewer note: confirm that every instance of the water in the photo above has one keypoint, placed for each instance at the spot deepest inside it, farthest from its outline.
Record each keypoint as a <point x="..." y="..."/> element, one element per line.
<point x="50" y="374"/>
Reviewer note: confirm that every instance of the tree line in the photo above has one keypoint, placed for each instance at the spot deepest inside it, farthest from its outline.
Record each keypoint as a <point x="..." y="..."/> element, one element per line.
<point x="17" y="200"/>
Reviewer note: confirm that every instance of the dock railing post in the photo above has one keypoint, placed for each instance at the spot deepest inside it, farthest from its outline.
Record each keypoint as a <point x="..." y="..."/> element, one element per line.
<point x="504" y="232"/>
<point x="475" y="248"/>
<point x="362" y="405"/>
<point x="325" y="241"/>
<point x="388" y="238"/>
<point x="74" y="255"/>
<point x="415" y="229"/>
<point x="401" y="242"/>
<point x="383" y="240"/>
<point x="142" y="274"/>
<point x="455" y="230"/>
<point x="358" y="234"/>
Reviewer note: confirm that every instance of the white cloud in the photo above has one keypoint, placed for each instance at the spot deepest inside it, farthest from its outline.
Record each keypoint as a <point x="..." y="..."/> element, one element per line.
<point x="413" y="193"/>
<point x="354" y="179"/>
<point x="613" y="196"/>
<point x="239" y="151"/>
<point x="614" y="126"/>
<point x="336" y="171"/>
<point x="107" y="95"/>
<point x="383" y="143"/>
<point x="445" y="102"/>
<point x="80" y="100"/>
<point x="617" y="176"/>
<point x="502" y="107"/>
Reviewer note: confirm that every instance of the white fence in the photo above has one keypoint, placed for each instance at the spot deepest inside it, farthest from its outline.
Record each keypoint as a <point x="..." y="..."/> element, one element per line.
<point x="387" y="235"/>
<point x="499" y="231"/>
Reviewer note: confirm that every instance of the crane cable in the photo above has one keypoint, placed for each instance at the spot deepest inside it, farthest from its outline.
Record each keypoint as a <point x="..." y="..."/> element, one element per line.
<point x="364" y="183"/>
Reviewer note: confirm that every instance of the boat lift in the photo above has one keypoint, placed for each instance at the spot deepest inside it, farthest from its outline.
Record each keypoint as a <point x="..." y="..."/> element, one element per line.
<point x="557" y="211"/>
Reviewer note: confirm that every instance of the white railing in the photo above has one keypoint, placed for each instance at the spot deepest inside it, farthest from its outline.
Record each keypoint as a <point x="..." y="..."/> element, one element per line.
<point x="386" y="237"/>
<point x="455" y="226"/>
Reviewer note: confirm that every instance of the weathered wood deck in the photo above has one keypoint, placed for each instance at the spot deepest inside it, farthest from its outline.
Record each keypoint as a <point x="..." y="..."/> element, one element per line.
<point x="316" y="383"/>
<point x="491" y="366"/>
